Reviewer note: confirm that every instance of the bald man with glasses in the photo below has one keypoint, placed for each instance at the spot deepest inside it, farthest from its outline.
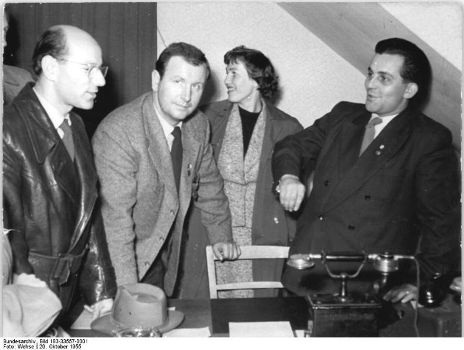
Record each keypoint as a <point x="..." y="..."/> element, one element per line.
<point x="49" y="179"/>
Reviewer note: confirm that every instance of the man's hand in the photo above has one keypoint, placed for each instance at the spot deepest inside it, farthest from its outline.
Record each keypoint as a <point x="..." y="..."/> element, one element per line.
<point x="226" y="251"/>
<point x="291" y="192"/>
<point x="404" y="293"/>
<point x="28" y="280"/>
<point x="456" y="285"/>
<point x="100" y="308"/>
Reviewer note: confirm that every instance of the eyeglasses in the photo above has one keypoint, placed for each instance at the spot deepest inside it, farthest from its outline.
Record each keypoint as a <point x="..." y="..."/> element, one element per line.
<point x="90" y="69"/>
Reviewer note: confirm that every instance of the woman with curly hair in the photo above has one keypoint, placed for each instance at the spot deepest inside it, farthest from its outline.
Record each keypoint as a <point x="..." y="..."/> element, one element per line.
<point x="244" y="129"/>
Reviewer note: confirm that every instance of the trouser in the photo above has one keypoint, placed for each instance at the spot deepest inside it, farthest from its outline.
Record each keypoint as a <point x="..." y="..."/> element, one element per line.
<point x="155" y="274"/>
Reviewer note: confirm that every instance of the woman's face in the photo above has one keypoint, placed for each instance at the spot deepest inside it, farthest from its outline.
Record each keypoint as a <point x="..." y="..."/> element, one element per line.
<point x="241" y="88"/>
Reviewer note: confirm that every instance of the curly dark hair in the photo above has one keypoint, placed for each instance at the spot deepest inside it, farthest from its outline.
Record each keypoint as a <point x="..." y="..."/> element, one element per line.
<point x="259" y="68"/>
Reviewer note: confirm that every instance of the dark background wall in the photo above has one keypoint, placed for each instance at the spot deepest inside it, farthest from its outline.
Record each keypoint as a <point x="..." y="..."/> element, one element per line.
<point x="126" y="33"/>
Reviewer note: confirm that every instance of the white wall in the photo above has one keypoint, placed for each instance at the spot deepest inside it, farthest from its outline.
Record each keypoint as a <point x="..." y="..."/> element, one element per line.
<point x="313" y="78"/>
<point x="437" y="23"/>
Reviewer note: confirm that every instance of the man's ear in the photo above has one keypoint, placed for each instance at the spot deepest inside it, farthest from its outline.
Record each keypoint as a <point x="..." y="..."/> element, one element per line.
<point x="49" y="67"/>
<point x="155" y="80"/>
<point x="411" y="90"/>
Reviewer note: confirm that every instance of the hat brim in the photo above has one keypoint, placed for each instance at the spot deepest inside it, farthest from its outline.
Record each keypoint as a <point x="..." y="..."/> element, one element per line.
<point x="105" y="325"/>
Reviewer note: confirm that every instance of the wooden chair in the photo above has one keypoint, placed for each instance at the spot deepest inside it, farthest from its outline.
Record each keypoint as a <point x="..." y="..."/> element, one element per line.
<point x="247" y="253"/>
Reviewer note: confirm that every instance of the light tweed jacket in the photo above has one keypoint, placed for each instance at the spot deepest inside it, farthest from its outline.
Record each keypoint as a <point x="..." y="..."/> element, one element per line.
<point x="14" y="79"/>
<point x="139" y="197"/>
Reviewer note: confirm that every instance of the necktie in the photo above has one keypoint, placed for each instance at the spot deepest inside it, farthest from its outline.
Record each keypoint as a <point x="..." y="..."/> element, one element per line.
<point x="176" y="155"/>
<point x="67" y="138"/>
<point x="369" y="133"/>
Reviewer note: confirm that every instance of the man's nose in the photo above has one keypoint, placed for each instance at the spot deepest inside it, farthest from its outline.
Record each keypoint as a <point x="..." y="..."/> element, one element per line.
<point x="98" y="78"/>
<point x="187" y="93"/>
<point x="371" y="82"/>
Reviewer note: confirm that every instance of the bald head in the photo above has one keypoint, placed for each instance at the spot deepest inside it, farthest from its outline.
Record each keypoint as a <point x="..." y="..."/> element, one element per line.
<point x="58" y="41"/>
<point x="68" y="63"/>
<point x="76" y="36"/>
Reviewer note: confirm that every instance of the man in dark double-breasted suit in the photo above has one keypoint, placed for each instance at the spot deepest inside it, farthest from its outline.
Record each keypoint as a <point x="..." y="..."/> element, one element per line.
<point x="398" y="194"/>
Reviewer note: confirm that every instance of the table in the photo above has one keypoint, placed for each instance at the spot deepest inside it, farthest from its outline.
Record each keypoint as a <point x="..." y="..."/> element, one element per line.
<point x="217" y="313"/>
<point x="223" y="311"/>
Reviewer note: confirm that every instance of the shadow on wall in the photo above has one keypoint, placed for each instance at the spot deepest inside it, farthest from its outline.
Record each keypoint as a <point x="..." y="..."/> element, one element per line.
<point x="209" y="92"/>
<point x="106" y="101"/>
<point x="107" y="98"/>
<point x="12" y="39"/>
<point x="124" y="46"/>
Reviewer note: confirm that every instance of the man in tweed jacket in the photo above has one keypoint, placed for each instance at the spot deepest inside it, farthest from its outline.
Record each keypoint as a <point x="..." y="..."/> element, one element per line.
<point x="143" y="210"/>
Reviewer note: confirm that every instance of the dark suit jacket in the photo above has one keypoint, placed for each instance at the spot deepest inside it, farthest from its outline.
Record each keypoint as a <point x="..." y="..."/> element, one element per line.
<point x="271" y="225"/>
<point x="50" y="203"/>
<point x="400" y="196"/>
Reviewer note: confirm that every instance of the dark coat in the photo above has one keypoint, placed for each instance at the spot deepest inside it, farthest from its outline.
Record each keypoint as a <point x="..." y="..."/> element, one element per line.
<point x="271" y="225"/>
<point x="400" y="196"/>
<point x="50" y="203"/>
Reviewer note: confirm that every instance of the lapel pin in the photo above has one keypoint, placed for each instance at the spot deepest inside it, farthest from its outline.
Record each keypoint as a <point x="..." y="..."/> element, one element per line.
<point x="382" y="146"/>
<point x="189" y="169"/>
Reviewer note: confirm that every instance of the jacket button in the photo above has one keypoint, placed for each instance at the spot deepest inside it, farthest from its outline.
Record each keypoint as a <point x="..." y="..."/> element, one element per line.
<point x="276" y="220"/>
<point x="172" y="212"/>
<point x="351" y="227"/>
<point x="147" y="263"/>
<point x="367" y="197"/>
<point x="321" y="218"/>
<point x="326" y="183"/>
<point x="161" y="239"/>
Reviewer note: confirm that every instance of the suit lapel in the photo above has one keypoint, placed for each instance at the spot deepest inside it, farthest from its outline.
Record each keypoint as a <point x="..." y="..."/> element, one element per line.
<point x="158" y="148"/>
<point x="341" y="152"/>
<point x="350" y="142"/>
<point x="270" y="134"/>
<point x="381" y="150"/>
<point x="47" y="145"/>
<point x="88" y="180"/>
<point x="190" y="155"/>
<point x="218" y="129"/>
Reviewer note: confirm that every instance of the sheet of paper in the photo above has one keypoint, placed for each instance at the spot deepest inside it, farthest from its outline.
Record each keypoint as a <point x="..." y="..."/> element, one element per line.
<point x="260" y="329"/>
<point x="83" y="321"/>
<point x="189" y="332"/>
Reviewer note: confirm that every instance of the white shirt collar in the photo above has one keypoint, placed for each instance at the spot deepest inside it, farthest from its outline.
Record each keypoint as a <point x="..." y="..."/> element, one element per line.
<point x="385" y="120"/>
<point x="167" y="128"/>
<point x="55" y="116"/>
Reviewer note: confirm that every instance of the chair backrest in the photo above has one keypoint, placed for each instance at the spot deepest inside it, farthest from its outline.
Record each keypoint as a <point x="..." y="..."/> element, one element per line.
<point x="247" y="253"/>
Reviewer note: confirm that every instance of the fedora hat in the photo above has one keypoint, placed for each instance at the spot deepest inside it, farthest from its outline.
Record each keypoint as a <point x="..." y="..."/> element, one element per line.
<point x="138" y="305"/>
